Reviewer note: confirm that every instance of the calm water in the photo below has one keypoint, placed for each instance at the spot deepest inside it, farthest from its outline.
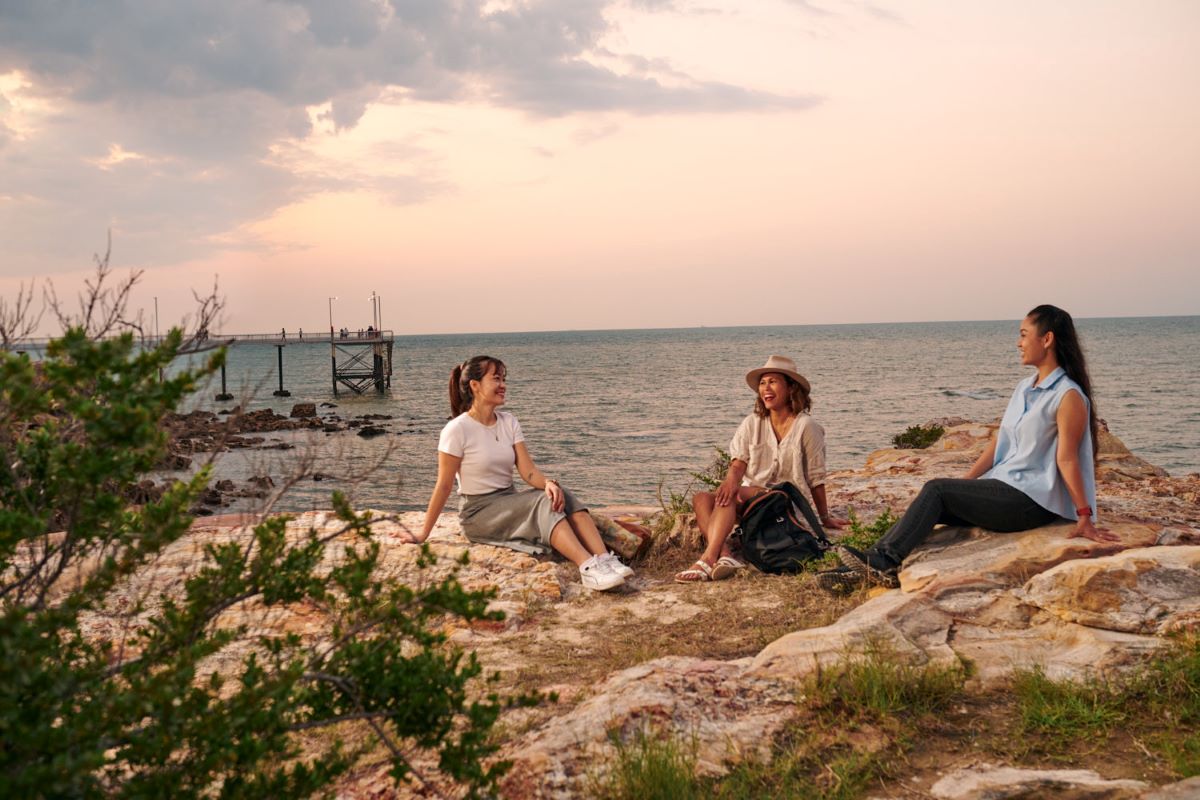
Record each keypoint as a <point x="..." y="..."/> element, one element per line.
<point x="614" y="413"/>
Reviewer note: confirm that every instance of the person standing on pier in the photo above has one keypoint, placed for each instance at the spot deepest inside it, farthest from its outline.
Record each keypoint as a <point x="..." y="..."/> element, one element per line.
<point x="480" y="445"/>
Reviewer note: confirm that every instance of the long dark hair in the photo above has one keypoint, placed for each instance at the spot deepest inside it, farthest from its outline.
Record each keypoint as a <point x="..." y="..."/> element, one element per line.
<point x="473" y="369"/>
<point x="1069" y="352"/>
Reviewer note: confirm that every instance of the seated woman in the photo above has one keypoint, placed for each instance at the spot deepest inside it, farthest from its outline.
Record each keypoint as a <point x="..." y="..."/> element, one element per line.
<point x="779" y="442"/>
<point x="480" y="444"/>
<point x="1039" y="467"/>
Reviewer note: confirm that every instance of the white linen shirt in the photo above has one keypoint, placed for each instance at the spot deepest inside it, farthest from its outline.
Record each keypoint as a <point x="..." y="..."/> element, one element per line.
<point x="798" y="458"/>
<point x="486" y="451"/>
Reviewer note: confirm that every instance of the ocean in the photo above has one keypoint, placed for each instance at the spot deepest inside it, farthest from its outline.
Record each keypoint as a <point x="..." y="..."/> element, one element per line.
<point x="617" y="414"/>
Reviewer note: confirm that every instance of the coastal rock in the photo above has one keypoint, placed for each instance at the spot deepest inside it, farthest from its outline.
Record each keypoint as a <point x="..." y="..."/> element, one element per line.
<point x="1145" y="590"/>
<point x="986" y="782"/>
<point x="1184" y="790"/>
<point x="371" y="431"/>
<point x="304" y="410"/>
<point x="729" y="717"/>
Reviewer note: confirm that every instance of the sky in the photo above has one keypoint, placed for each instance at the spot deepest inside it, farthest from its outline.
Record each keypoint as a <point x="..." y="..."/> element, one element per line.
<point x="580" y="164"/>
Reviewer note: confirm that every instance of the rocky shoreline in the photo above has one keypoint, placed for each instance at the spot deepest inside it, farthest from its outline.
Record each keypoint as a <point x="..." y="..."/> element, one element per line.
<point x="205" y="432"/>
<point x="721" y="664"/>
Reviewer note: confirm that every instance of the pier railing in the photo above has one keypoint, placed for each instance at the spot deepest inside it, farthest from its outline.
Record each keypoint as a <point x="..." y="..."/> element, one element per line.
<point x="280" y="338"/>
<point x="366" y="355"/>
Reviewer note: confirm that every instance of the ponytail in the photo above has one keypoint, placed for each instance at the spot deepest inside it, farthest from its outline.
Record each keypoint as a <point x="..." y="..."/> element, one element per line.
<point x="473" y="369"/>
<point x="1069" y="352"/>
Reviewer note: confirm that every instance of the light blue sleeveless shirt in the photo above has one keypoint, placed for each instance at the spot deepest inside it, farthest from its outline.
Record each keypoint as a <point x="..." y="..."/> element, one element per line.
<point x="1028" y="442"/>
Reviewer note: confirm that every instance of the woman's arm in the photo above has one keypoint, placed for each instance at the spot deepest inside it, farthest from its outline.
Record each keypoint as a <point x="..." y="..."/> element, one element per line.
<point x="1072" y="420"/>
<point x="530" y="473"/>
<point x="447" y="467"/>
<point x="985" y="460"/>
<point x="818" y="496"/>
<point x="727" y="492"/>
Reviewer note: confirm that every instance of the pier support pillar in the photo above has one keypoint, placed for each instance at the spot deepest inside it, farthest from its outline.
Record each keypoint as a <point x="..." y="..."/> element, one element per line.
<point x="281" y="392"/>
<point x="224" y="395"/>
<point x="333" y="360"/>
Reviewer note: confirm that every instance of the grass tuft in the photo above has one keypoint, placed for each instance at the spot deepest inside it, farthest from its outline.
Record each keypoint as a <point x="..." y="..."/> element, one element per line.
<point x="649" y="767"/>
<point x="1066" y="711"/>
<point x="882" y="684"/>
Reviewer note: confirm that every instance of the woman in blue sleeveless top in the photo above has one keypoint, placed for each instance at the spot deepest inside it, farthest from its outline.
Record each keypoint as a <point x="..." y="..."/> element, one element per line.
<point x="1039" y="467"/>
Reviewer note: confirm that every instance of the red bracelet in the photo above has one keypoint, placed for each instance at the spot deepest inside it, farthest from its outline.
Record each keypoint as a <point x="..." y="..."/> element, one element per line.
<point x="1086" y="511"/>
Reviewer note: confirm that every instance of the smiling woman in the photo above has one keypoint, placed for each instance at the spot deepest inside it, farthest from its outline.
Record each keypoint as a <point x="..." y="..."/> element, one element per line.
<point x="480" y="445"/>
<point x="779" y="442"/>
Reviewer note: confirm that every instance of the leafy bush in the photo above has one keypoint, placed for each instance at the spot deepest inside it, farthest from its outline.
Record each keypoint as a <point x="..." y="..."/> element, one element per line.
<point x="918" y="437"/>
<point x="674" y="503"/>
<point x="862" y="535"/>
<point x="147" y="709"/>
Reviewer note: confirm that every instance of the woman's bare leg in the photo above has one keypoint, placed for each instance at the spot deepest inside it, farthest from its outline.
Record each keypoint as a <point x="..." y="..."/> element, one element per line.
<point x="586" y="532"/>
<point x="564" y="540"/>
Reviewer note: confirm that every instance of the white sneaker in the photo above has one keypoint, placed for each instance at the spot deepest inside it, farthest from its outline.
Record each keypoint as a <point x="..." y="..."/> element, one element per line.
<point x="617" y="565"/>
<point x="597" y="575"/>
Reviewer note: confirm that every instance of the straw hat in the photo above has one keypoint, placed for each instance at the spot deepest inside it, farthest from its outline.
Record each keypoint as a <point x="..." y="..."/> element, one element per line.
<point x="782" y="365"/>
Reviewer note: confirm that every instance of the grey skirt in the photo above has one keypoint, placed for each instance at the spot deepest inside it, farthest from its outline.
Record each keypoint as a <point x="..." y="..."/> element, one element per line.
<point x="521" y="520"/>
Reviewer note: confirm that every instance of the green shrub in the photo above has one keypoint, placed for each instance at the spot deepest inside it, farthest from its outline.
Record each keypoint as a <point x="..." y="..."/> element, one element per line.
<point x="144" y="711"/>
<point x="862" y="535"/>
<point x="918" y="437"/>
<point x="674" y="503"/>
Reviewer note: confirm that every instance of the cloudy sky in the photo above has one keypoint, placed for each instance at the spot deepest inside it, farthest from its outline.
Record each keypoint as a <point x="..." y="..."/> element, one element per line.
<point x="558" y="164"/>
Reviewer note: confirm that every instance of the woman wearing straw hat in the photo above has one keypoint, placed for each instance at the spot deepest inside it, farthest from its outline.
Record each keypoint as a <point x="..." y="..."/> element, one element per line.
<point x="780" y="441"/>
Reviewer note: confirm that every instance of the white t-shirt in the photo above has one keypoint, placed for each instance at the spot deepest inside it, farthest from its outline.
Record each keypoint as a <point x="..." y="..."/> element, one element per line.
<point x="798" y="458"/>
<point x="486" y="451"/>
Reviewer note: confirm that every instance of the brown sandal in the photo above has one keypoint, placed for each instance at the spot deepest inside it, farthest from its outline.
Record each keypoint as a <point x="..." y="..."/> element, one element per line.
<point x="700" y="572"/>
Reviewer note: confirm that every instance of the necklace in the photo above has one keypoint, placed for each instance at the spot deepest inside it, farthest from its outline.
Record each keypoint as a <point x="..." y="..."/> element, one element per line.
<point x="783" y="429"/>
<point x="494" y="428"/>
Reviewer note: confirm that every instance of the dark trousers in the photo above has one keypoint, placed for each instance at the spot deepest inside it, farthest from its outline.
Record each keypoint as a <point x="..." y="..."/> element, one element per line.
<point x="988" y="503"/>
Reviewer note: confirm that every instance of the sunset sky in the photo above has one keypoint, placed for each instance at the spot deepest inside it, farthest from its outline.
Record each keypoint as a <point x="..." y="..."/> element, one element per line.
<point x="507" y="165"/>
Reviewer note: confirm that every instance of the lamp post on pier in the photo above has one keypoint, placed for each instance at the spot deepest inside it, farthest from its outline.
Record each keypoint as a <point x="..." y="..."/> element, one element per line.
<point x="331" y="318"/>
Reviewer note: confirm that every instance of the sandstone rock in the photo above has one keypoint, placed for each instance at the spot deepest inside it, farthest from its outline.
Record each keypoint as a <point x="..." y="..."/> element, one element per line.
<point x="728" y="717"/>
<point x="686" y="533"/>
<point x="986" y="782"/>
<point x="1144" y="590"/>
<point x="954" y="556"/>
<point x="304" y="410"/>
<point x="1184" y="790"/>
<point x="1173" y="536"/>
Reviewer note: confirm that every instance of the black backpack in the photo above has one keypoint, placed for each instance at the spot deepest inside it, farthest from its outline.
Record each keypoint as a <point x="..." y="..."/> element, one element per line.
<point x="777" y="540"/>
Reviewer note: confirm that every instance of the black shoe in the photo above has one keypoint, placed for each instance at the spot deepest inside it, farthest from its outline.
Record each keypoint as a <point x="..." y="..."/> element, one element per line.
<point x="866" y="565"/>
<point x="841" y="581"/>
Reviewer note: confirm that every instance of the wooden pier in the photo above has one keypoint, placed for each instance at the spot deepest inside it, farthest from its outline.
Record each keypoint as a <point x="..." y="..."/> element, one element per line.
<point x="366" y="356"/>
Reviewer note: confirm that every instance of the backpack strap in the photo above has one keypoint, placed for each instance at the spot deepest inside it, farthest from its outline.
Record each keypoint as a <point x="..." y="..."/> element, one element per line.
<point x="801" y="502"/>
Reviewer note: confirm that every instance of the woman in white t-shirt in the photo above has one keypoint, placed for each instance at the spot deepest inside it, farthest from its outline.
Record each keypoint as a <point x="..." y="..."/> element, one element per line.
<point x="481" y="445"/>
<point x="780" y="441"/>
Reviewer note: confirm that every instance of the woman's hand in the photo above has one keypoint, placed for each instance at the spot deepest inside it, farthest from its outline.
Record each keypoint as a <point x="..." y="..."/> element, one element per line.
<point x="1085" y="529"/>
<point x="555" y="493"/>
<point x="836" y="523"/>
<point x="727" y="491"/>
<point x="408" y="537"/>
